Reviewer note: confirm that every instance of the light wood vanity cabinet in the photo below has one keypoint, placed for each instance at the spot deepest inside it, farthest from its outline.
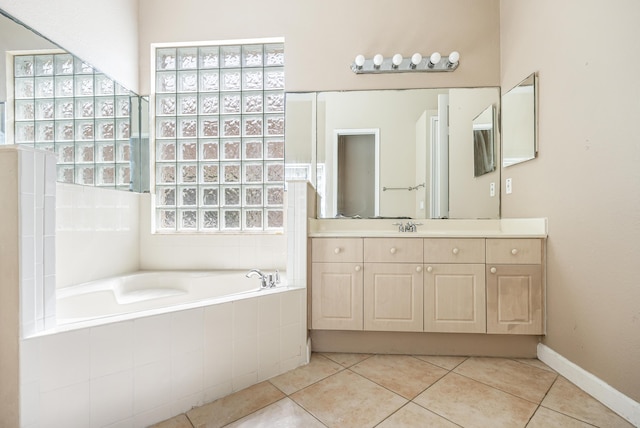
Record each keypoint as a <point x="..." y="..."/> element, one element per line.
<point x="393" y="284"/>
<point x="454" y="285"/>
<point x="337" y="283"/>
<point x="514" y="286"/>
<point x="448" y="285"/>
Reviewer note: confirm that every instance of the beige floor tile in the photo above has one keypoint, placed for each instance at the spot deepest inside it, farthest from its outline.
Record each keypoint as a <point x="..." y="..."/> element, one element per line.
<point x="235" y="406"/>
<point x="445" y="362"/>
<point x="282" y="414"/>
<point x="545" y="418"/>
<point x="522" y="380"/>
<point x="565" y="397"/>
<point x="536" y="363"/>
<point x="318" y="368"/>
<point x="402" y="374"/>
<point x="414" y="416"/>
<point x="180" y="421"/>
<point x="346" y="360"/>
<point x="347" y="400"/>
<point x="471" y="404"/>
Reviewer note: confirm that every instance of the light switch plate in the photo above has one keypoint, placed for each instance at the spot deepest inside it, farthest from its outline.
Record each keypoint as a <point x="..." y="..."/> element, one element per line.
<point x="508" y="187"/>
<point x="492" y="189"/>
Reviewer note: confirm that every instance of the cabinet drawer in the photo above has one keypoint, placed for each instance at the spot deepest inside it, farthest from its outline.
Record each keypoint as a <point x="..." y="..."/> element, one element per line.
<point x="514" y="251"/>
<point x="336" y="250"/>
<point x="393" y="250"/>
<point x="445" y="250"/>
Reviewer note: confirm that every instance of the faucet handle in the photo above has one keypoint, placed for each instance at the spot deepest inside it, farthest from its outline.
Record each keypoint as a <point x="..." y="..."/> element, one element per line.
<point x="276" y="277"/>
<point x="400" y="226"/>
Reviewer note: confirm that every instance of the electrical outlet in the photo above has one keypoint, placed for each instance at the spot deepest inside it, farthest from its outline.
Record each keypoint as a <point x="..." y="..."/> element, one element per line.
<point x="508" y="186"/>
<point x="492" y="189"/>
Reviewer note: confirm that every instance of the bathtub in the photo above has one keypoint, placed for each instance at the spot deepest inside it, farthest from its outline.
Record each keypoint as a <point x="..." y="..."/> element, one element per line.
<point x="141" y="348"/>
<point x="154" y="292"/>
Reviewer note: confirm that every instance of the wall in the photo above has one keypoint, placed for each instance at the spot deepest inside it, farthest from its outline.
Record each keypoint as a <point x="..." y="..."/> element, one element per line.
<point x="104" y="34"/>
<point x="586" y="179"/>
<point x="322" y="38"/>
<point x="97" y="233"/>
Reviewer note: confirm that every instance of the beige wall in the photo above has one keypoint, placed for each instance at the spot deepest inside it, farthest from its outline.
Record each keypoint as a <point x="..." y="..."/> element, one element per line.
<point x="323" y="37"/>
<point x="586" y="179"/>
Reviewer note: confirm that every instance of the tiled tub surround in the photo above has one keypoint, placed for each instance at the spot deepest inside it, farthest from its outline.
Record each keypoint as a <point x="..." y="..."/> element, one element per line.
<point x="141" y="371"/>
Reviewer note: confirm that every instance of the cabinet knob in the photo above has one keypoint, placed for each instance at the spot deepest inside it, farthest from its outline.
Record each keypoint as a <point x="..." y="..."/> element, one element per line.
<point x="430" y="269"/>
<point x="514" y="251"/>
<point x="455" y="251"/>
<point x="337" y="250"/>
<point x="419" y="269"/>
<point x="393" y="250"/>
<point x="358" y="268"/>
<point x="493" y="270"/>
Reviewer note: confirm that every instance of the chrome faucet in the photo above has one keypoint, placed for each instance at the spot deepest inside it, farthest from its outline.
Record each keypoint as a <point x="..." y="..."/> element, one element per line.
<point x="267" y="280"/>
<point x="409" y="227"/>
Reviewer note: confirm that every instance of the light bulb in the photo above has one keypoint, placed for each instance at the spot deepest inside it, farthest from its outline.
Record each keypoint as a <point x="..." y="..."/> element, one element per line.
<point x="416" y="58"/>
<point x="434" y="59"/>
<point x="359" y="61"/>
<point x="397" y="60"/>
<point x="454" y="57"/>
<point x="377" y="60"/>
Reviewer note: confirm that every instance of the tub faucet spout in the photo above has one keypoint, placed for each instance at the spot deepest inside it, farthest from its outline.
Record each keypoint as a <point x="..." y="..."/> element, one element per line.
<point x="266" y="280"/>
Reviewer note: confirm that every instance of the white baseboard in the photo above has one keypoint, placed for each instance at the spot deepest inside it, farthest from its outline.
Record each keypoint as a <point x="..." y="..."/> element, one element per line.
<point x="592" y="385"/>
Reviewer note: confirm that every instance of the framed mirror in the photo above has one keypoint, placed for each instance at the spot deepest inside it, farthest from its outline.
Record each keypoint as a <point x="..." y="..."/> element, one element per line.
<point x="519" y="122"/>
<point x="425" y="150"/>
<point x="484" y="159"/>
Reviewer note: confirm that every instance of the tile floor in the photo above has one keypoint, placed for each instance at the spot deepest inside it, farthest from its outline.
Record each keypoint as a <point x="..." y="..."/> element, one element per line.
<point x="394" y="391"/>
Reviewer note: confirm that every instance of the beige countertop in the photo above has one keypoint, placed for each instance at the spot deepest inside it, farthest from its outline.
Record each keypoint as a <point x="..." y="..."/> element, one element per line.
<point x="429" y="228"/>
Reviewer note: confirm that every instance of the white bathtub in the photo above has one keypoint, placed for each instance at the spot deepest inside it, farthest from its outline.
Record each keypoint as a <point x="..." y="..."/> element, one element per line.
<point x="154" y="292"/>
<point x="148" y="346"/>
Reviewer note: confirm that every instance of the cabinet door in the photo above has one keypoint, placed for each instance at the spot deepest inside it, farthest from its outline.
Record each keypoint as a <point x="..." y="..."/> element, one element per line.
<point x="454" y="298"/>
<point x="514" y="299"/>
<point x="336" y="296"/>
<point x="393" y="294"/>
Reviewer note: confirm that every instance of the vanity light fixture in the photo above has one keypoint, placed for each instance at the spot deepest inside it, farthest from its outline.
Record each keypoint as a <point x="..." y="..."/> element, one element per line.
<point x="399" y="64"/>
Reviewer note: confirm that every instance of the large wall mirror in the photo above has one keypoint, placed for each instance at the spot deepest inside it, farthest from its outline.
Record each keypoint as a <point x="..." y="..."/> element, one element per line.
<point x="56" y="101"/>
<point x="423" y="140"/>
<point x="519" y="119"/>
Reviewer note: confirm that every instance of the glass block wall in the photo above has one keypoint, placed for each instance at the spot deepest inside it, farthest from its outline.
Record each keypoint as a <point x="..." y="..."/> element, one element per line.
<point x="66" y="106"/>
<point x="219" y="138"/>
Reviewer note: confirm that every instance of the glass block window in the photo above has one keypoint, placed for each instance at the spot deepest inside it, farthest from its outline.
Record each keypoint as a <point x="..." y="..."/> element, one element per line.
<point x="219" y="138"/>
<point x="65" y="106"/>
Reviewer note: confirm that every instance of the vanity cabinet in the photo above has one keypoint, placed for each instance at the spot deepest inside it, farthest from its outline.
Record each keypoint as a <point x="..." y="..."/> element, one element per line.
<point x="337" y="284"/>
<point x="454" y="285"/>
<point x="393" y="284"/>
<point x="514" y="286"/>
<point x="445" y="285"/>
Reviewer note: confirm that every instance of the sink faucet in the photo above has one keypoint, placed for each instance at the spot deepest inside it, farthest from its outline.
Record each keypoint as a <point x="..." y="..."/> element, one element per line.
<point x="267" y="280"/>
<point x="409" y="227"/>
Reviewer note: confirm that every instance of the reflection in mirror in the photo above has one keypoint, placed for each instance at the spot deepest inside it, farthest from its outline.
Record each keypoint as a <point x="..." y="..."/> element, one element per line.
<point x="356" y="154"/>
<point x="518" y="113"/>
<point x="414" y="141"/>
<point x="55" y="101"/>
<point x="484" y="142"/>
<point x="2" y="122"/>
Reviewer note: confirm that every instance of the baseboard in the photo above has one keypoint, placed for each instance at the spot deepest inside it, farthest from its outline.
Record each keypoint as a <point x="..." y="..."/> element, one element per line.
<point x="592" y="385"/>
